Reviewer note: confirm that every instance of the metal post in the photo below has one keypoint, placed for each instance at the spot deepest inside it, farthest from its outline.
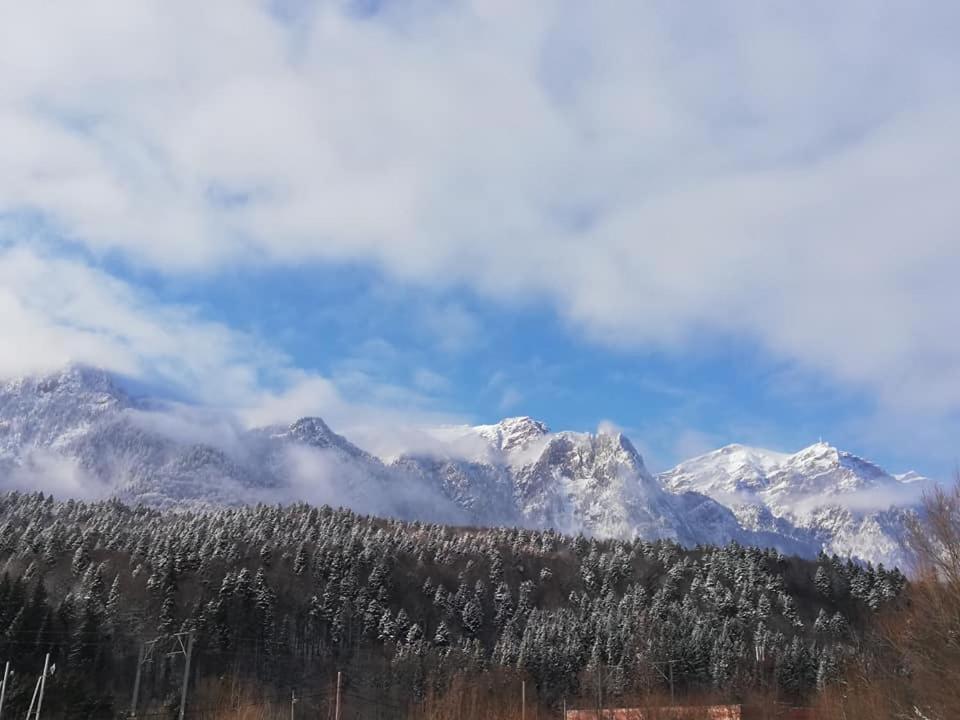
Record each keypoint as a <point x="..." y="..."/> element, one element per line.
<point x="43" y="683"/>
<point x="336" y="714"/>
<point x="136" y="682"/>
<point x="564" y="709"/>
<point x="186" y="676"/>
<point x="523" y="700"/>
<point x="293" y="701"/>
<point x="3" y="688"/>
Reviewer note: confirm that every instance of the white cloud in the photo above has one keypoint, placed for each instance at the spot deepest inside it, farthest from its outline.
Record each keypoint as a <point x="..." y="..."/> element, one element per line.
<point x="782" y="175"/>
<point x="454" y="328"/>
<point x="369" y="414"/>
<point x="608" y="427"/>
<point x="54" y="311"/>
<point x="429" y="381"/>
<point x="57" y="310"/>
<point x="690" y="442"/>
<point x="321" y="477"/>
<point x="510" y="398"/>
<point x="49" y="472"/>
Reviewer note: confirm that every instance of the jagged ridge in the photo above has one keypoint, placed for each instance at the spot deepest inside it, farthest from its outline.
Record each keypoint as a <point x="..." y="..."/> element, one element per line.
<point x="526" y="476"/>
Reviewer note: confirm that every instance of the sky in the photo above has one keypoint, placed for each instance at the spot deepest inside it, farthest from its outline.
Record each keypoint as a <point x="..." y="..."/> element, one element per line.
<point x="699" y="224"/>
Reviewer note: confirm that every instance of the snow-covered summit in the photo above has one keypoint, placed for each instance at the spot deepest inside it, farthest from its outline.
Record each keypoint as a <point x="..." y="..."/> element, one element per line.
<point x="512" y="433"/>
<point x="739" y="471"/>
<point x="315" y="433"/>
<point x="50" y="409"/>
<point x="730" y="470"/>
<point x="847" y="503"/>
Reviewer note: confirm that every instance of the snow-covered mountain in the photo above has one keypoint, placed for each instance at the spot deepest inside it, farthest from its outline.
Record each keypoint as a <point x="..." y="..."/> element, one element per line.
<point x="574" y="482"/>
<point x="823" y="495"/>
<point x="77" y="432"/>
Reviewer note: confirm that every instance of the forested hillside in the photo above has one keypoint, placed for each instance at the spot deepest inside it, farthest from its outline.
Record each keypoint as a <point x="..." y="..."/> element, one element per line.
<point x="279" y="599"/>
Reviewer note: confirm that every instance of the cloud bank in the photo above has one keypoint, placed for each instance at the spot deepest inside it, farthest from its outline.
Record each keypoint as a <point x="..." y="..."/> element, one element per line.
<point x="658" y="174"/>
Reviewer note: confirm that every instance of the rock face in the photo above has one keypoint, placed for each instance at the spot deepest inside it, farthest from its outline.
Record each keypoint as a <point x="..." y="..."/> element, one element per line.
<point x="79" y="433"/>
<point x="596" y="484"/>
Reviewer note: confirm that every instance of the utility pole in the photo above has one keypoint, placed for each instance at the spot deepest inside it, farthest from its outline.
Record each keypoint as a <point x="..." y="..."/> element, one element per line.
<point x="667" y="677"/>
<point x="336" y="714"/>
<point x="673" y="699"/>
<point x="3" y="688"/>
<point x="136" y="682"/>
<point x="186" y="675"/>
<point x="36" y="690"/>
<point x="43" y="683"/>
<point x="162" y="644"/>
<point x="599" y="691"/>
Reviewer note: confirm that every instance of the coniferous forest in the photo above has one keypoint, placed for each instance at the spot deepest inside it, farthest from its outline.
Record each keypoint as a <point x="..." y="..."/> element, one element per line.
<point x="274" y="602"/>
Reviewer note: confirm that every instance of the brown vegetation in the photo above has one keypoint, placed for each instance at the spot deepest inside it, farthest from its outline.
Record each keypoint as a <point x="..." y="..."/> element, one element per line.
<point x="915" y="670"/>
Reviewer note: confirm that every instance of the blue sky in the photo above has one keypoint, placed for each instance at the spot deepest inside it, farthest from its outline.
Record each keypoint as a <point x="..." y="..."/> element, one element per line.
<point x="455" y="356"/>
<point x="699" y="226"/>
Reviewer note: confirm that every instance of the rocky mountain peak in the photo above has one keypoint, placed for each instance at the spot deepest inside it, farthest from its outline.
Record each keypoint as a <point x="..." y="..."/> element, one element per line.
<point x="513" y="433"/>
<point x="47" y="409"/>
<point x="820" y="452"/>
<point x="313" y="431"/>
<point x="72" y="381"/>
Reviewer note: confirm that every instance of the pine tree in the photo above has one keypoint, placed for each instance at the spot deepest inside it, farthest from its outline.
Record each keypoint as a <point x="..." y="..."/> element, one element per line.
<point x="442" y="637"/>
<point x="828" y="669"/>
<point x="113" y="610"/>
<point x="414" y="634"/>
<point x="496" y="567"/>
<point x="472" y="616"/>
<point x="402" y="623"/>
<point x="80" y="562"/>
<point x="265" y="600"/>
<point x="823" y="583"/>
<point x="300" y="560"/>
<point x="266" y="555"/>
<point x="503" y="604"/>
<point x="387" y="628"/>
<point x="822" y="624"/>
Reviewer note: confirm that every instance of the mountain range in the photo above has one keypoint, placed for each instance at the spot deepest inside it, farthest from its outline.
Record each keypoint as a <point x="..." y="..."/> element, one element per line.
<point x="79" y="433"/>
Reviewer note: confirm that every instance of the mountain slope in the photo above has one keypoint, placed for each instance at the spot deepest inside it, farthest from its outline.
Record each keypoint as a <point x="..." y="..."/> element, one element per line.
<point x="78" y="433"/>
<point x="596" y="484"/>
<point x="79" y="423"/>
<point x="827" y="496"/>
